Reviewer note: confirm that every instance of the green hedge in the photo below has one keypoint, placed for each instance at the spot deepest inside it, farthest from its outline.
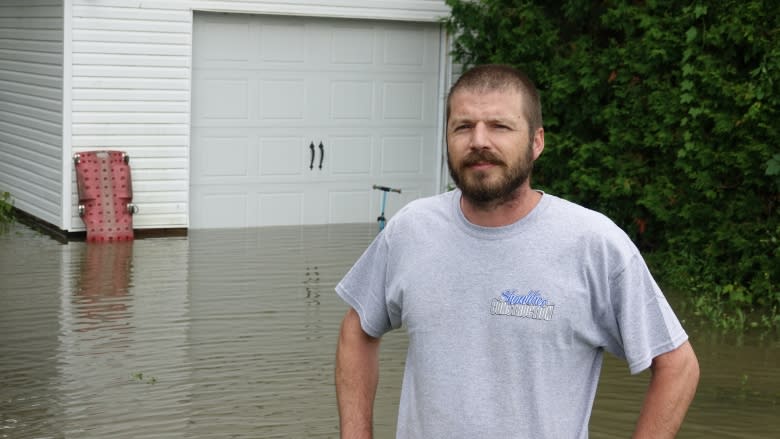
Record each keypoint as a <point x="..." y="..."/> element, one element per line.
<point x="664" y="116"/>
<point x="6" y="209"/>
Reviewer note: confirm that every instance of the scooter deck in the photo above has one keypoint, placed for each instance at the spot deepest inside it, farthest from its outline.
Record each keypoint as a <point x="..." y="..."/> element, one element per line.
<point x="105" y="195"/>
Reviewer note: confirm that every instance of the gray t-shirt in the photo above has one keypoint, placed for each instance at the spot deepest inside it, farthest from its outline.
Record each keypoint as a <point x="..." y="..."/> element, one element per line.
<point x="507" y="325"/>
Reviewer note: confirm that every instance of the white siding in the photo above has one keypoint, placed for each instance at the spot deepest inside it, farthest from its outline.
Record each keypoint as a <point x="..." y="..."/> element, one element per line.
<point x="130" y="92"/>
<point x="131" y="82"/>
<point x="31" y="62"/>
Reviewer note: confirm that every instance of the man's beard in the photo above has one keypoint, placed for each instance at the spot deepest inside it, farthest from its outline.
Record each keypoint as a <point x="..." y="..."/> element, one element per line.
<point x="475" y="185"/>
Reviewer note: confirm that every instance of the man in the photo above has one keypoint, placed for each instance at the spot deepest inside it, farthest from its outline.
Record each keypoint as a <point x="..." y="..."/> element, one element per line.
<point x="509" y="295"/>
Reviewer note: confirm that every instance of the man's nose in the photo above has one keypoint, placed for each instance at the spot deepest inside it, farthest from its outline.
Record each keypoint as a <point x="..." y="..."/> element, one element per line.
<point x="479" y="136"/>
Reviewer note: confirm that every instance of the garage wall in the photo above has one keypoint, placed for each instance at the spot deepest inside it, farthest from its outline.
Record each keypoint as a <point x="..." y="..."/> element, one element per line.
<point x="131" y="81"/>
<point x="31" y="44"/>
<point x="130" y="92"/>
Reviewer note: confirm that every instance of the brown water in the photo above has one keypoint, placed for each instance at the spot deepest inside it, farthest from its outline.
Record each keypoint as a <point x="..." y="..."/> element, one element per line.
<point x="231" y="334"/>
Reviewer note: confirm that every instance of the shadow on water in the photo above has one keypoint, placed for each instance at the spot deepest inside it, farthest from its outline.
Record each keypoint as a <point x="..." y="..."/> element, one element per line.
<point x="231" y="333"/>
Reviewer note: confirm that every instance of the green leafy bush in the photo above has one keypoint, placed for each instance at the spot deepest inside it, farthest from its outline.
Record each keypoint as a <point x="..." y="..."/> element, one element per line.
<point x="6" y="209"/>
<point x="663" y="115"/>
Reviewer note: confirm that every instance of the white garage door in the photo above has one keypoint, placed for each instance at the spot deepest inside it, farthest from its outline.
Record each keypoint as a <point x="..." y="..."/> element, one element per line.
<point x="294" y="119"/>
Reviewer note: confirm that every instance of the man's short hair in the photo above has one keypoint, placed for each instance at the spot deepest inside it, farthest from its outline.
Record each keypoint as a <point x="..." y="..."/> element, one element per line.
<point x="497" y="77"/>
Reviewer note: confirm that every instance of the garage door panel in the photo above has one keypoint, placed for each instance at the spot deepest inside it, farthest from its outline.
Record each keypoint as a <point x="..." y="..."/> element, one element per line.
<point x="350" y="156"/>
<point x="224" y="39"/>
<point x="349" y="205"/>
<point x="352" y="99"/>
<point x="282" y="156"/>
<point x="403" y="100"/>
<point x="283" y="41"/>
<point x="221" y="157"/>
<point x="222" y="99"/>
<point x="281" y="208"/>
<point x="402" y="155"/>
<point x="352" y="45"/>
<point x="282" y="99"/>
<point x="223" y="209"/>
<point x="402" y="47"/>
<point x="396" y="153"/>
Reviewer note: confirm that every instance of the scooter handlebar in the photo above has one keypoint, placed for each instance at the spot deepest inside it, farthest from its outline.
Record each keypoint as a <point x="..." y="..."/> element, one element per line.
<point x="386" y="189"/>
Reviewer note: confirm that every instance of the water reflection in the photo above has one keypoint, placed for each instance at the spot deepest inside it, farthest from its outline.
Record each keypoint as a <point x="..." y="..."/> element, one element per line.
<point x="123" y="330"/>
<point x="232" y="334"/>
<point x="102" y="285"/>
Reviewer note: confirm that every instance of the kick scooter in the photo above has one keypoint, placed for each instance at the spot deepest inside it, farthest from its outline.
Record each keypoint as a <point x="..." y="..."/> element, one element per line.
<point x="381" y="219"/>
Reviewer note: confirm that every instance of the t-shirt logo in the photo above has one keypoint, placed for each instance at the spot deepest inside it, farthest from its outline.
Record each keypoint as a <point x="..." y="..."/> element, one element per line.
<point x="531" y="305"/>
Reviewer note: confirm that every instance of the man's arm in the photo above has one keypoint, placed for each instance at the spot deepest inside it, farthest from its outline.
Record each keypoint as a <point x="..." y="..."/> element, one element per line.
<point x="357" y="374"/>
<point x="671" y="390"/>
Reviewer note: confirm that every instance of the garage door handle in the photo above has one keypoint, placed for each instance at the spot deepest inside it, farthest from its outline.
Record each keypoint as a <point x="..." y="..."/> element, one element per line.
<point x="311" y="163"/>
<point x="322" y="154"/>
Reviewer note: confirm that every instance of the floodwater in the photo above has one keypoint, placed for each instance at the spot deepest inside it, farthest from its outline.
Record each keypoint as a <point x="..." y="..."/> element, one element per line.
<point x="231" y="334"/>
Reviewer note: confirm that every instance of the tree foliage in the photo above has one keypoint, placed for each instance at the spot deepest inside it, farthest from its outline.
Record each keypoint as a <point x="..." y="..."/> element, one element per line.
<point x="661" y="114"/>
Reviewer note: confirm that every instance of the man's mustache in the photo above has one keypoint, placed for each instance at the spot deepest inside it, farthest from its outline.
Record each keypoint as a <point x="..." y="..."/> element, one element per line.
<point x="481" y="156"/>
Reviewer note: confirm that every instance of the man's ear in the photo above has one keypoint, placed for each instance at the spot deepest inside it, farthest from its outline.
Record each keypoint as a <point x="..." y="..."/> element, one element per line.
<point x="538" y="146"/>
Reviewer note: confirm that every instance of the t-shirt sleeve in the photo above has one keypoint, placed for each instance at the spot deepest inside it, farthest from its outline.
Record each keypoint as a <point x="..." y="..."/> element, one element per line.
<point x="646" y="325"/>
<point x="364" y="288"/>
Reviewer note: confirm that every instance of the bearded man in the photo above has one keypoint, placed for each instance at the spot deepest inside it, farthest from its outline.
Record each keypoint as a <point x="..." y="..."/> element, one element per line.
<point x="509" y="295"/>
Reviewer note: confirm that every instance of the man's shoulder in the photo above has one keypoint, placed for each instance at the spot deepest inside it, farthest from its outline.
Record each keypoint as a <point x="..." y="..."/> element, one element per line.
<point x="576" y="218"/>
<point x="423" y="213"/>
<point x="575" y="212"/>
<point x="434" y="204"/>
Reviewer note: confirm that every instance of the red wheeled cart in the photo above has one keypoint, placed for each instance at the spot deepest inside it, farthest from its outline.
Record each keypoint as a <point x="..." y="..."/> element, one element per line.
<point x="105" y="195"/>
